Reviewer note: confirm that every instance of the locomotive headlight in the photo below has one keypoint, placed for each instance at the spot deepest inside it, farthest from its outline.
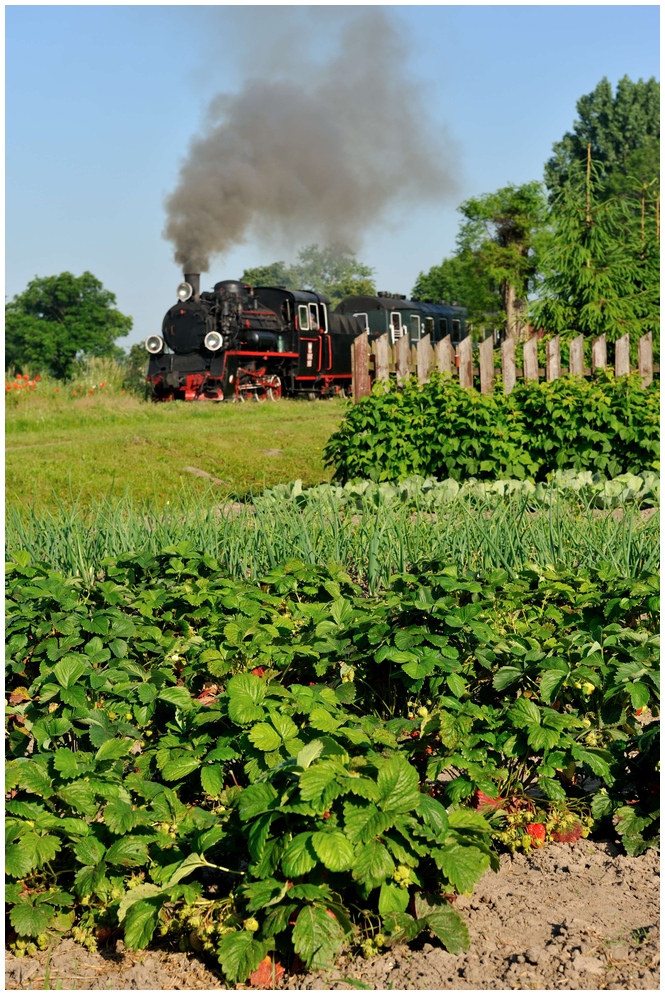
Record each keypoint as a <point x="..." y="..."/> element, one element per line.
<point x="185" y="291"/>
<point x="213" y="341"/>
<point x="154" y="344"/>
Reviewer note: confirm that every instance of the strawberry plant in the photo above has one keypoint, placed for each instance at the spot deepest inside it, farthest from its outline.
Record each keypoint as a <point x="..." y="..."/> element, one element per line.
<point x="253" y="770"/>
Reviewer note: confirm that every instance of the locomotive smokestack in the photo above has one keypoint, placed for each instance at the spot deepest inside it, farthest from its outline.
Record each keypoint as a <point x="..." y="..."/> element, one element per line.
<point x="194" y="279"/>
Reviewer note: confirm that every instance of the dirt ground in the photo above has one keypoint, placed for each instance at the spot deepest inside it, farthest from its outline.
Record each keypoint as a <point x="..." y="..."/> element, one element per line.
<point x="568" y="917"/>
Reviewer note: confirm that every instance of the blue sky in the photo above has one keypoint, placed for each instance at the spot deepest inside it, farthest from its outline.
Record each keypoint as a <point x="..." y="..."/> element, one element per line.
<point x="102" y="101"/>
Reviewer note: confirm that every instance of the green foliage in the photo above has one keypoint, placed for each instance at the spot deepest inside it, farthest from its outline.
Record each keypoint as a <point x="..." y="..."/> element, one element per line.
<point x="502" y="229"/>
<point x="463" y="280"/>
<point x="135" y="370"/>
<point x="57" y="318"/>
<point x="497" y="256"/>
<point x="632" y="800"/>
<point x="623" y="129"/>
<point x="606" y="424"/>
<point x="171" y="729"/>
<point x="333" y="271"/>
<point x="273" y="275"/>
<point x="601" y="270"/>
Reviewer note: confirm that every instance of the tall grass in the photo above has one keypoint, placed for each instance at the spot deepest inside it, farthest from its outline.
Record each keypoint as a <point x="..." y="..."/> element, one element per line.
<point x="373" y="543"/>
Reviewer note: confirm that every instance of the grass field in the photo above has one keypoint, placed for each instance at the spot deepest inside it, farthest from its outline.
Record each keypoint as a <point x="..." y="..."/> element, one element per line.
<point x="60" y="448"/>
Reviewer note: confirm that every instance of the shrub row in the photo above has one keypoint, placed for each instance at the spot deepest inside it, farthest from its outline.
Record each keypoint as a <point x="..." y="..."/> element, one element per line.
<point x="255" y="769"/>
<point x="606" y="424"/>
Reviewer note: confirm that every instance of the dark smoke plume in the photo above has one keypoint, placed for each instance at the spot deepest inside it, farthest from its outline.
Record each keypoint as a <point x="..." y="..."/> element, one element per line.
<point x="320" y="157"/>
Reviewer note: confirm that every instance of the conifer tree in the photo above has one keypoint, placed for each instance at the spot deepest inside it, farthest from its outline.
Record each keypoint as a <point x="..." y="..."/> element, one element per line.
<point x="600" y="270"/>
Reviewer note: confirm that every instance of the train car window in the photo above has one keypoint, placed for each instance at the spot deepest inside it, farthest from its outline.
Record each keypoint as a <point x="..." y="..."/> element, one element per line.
<point x="457" y="332"/>
<point x="415" y="328"/>
<point x="303" y="318"/>
<point x="323" y="318"/>
<point x="363" y="317"/>
<point x="314" y="323"/>
<point x="429" y="327"/>
<point x="443" y="327"/>
<point x="396" y="325"/>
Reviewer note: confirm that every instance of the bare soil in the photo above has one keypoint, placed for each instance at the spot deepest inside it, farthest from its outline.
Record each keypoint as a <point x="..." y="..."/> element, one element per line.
<point x="567" y="917"/>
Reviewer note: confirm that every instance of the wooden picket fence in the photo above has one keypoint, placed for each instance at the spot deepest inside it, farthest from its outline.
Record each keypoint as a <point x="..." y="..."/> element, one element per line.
<point x="378" y="360"/>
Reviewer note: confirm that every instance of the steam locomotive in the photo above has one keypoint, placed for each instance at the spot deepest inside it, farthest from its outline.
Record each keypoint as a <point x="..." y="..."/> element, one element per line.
<point x="238" y="342"/>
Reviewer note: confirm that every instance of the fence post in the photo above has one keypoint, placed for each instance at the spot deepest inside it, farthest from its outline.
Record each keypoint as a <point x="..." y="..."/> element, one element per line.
<point x="382" y="357"/>
<point x="486" y="359"/>
<point x="444" y="355"/>
<point x="599" y="353"/>
<point x="622" y="356"/>
<point x="360" y="355"/>
<point x="531" y="359"/>
<point x="424" y="359"/>
<point x="403" y="356"/>
<point x="645" y="358"/>
<point x="465" y="363"/>
<point x="576" y="362"/>
<point x="553" y="359"/>
<point x="508" y="364"/>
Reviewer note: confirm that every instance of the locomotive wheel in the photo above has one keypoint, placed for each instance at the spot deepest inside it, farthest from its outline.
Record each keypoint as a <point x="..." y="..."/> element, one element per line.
<point x="273" y="388"/>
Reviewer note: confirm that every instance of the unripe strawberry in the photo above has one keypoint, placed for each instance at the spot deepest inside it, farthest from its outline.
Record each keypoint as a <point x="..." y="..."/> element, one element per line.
<point x="251" y="925"/>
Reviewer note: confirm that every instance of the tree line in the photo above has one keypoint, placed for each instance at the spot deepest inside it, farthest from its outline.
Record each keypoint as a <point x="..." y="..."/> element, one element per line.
<point x="579" y="252"/>
<point x="575" y="253"/>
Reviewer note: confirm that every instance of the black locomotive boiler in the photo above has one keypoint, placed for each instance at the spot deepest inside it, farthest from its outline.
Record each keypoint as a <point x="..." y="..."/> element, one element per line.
<point x="239" y="342"/>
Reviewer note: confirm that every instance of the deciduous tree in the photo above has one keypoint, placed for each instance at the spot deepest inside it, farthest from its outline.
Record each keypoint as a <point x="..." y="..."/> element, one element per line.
<point x="332" y="270"/>
<point x="461" y="279"/>
<point x="58" y="319"/>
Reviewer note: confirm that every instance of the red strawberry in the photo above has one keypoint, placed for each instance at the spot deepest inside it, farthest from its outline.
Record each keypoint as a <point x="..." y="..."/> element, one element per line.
<point x="570" y="836"/>
<point x="536" y="831"/>
<point x="259" y="671"/>
<point x="267" y="974"/>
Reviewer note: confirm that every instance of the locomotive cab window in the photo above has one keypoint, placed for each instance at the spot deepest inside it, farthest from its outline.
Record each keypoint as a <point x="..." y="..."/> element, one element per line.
<point x="314" y="322"/>
<point x="303" y="318"/>
<point x="457" y="331"/>
<point x="363" y="318"/>
<point x="443" y="327"/>
<point x="396" y="325"/>
<point x="429" y="327"/>
<point x="323" y="317"/>
<point x="415" y="328"/>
